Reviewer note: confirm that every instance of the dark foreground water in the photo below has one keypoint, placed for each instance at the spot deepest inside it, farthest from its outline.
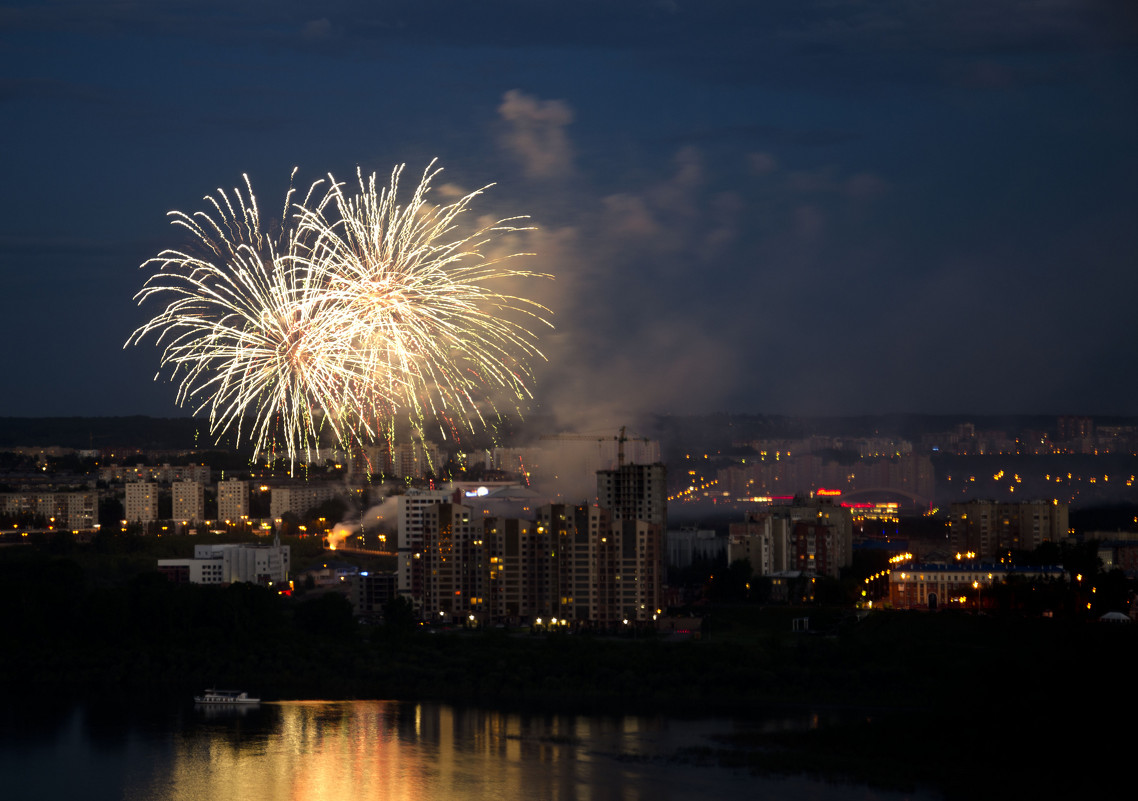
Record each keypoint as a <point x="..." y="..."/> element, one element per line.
<point x="339" y="751"/>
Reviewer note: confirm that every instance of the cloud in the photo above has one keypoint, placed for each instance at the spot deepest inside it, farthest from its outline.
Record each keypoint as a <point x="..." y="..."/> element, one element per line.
<point x="761" y="163"/>
<point x="629" y="216"/>
<point x="535" y="134"/>
<point x="317" y="30"/>
<point x="865" y="185"/>
<point x="51" y="89"/>
<point x="829" y="180"/>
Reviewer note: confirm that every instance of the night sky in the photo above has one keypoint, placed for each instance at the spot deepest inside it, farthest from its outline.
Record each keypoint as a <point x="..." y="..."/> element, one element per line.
<point x="789" y="207"/>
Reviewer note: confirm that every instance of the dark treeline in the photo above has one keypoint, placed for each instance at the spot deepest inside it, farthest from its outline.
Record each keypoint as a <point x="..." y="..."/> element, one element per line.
<point x="101" y="432"/>
<point x="715" y="431"/>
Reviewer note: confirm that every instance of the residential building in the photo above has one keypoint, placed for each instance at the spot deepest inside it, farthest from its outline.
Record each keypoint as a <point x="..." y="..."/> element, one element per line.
<point x="453" y="566"/>
<point x="75" y="511"/>
<point x="299" y="498"/>
<point x="991" y="528"/>
<point x="370" y="592"/>
<point x="163" y="474"/>
<point x="232" y="500"/>
<point x="141" y="504"/>
<point x="607" y="571"/>
<point x="518" y="583"/>
<point x="414" y="459"/>
<point x="188" y="501"/>
<point x="634" y="492"/>
<point x="412" y="508"/>
<point x="688" y="544"/>
<point x="813" y="536"/>
<point x="817" y="548"/>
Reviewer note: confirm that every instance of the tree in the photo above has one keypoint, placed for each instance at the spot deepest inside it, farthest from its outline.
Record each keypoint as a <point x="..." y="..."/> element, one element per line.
<point x="329" y="614"/>
<point x="733" y="584"/>
<point x="399" y="614"/>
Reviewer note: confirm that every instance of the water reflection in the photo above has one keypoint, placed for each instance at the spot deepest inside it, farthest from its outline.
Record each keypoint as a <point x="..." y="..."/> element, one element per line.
<point x="331" y="751"/>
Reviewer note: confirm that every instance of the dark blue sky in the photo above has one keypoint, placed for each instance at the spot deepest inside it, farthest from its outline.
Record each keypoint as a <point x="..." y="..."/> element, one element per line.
<point x="784" y="207"/>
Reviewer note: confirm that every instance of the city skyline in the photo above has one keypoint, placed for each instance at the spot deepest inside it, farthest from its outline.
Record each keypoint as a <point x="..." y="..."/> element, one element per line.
<point x="797" y="208"/>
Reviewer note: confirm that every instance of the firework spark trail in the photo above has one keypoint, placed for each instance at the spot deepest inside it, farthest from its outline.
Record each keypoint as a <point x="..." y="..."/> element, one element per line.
<point x="359" y="311"/>
<point x="416" y="300"/>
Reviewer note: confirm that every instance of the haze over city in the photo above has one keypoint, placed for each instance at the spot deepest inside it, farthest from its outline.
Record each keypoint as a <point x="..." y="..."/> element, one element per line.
<point x="789" y="207"/>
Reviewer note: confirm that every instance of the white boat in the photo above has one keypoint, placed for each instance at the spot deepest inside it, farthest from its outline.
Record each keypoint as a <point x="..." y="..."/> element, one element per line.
<point x="225" y="698"/>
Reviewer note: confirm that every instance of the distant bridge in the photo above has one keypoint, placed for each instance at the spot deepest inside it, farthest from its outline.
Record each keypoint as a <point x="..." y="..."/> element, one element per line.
<point x="366" y="551"/>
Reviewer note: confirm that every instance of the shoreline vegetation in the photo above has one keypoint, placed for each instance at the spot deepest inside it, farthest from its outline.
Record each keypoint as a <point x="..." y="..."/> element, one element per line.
<point x="912" y="699"/>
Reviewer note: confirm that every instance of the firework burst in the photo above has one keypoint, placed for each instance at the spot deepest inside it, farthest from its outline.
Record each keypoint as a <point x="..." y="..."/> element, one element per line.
<point x="356" y="311"/>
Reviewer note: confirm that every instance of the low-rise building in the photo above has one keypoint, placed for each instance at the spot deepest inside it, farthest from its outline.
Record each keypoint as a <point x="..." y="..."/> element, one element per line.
<point x="163" y="474"/>
<point x="231" y="563"/>
<point x="936" y="586"/>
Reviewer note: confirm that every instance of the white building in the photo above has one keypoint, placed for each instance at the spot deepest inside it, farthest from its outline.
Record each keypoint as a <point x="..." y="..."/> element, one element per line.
<point x="231" y="563"/>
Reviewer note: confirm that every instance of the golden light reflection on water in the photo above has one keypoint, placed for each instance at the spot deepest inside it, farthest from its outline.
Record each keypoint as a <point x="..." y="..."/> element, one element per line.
<point x="329" y="751"/>
<point x="320" y="751"/>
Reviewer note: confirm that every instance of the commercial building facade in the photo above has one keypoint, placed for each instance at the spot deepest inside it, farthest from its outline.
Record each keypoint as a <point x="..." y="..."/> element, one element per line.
<point x="937" y="586"/>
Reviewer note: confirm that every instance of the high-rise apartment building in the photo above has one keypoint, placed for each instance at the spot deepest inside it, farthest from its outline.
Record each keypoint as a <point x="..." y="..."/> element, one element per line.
<point x="991" y="528"/>
<point x="412" y="509"/>
<point x="811" y="536"/>
<point x="188" y="501"/>
<point x="518" y="585"/>
<point x="141" y="505"/>
<point x="232" y="500"/>
<point x="634" y="492"/>
<point x="452" y="567"/>
<point x="414" y="459"/>
<point x="299" y="498"/>
<point x="608" y="571"/>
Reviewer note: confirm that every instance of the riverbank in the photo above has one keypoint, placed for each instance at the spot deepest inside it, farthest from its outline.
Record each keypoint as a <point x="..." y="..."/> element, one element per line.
<point x="940" y="699"/>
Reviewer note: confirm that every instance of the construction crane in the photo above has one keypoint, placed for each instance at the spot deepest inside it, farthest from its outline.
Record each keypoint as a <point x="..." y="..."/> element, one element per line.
<point x="620" y="438"/>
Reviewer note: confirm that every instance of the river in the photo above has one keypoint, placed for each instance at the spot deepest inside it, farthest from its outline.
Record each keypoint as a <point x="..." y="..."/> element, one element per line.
<point x="346" y="750"/>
